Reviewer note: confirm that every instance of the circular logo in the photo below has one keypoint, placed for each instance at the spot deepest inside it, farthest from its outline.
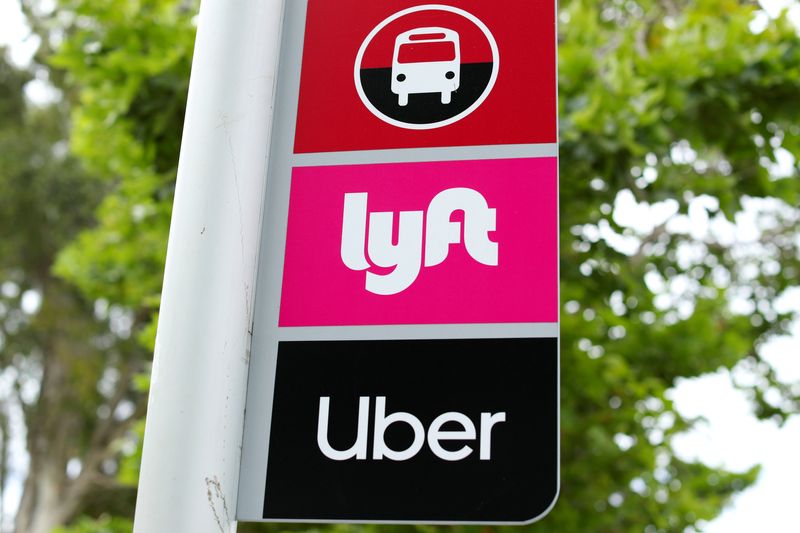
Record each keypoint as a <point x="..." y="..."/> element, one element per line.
<point x="426" y="67"/>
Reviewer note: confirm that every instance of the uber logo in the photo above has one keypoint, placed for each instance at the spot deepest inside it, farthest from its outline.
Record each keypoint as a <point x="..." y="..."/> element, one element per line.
<point x="406" y="256"/>
<point x="470" y="424"/>
<point x="436" y="433"/>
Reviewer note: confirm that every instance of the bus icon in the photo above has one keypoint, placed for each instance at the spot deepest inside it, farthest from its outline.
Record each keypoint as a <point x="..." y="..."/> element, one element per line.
<point x="426" y="60"/>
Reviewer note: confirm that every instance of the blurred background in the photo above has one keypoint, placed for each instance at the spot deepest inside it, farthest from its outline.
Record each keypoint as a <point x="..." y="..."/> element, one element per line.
<point x="680" y="128"/>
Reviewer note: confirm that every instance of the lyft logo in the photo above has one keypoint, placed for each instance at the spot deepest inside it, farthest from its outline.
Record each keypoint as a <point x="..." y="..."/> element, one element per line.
<point x="369" y="241"/>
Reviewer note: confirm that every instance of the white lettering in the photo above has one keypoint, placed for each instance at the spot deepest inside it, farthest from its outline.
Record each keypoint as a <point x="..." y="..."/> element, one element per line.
<point x="379" y="447"/>
<point x="354" y="228"/>
<point x="436" y="433"/>
<point x="488" y="421"/>
<point x="359" y="449"/>
<point x="466" y="431"/>
<point x="479" y="220"/>
<point x="405" y="257"/>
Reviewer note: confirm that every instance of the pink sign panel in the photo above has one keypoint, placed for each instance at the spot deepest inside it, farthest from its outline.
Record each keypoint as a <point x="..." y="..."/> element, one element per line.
<point x="452" y="242"/>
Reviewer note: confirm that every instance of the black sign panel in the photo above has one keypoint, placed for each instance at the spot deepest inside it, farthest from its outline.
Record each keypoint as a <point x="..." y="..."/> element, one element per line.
<point x="427" y="430"/>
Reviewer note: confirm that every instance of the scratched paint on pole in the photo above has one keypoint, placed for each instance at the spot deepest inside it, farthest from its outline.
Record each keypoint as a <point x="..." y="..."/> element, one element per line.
<point x="404" y="364"/>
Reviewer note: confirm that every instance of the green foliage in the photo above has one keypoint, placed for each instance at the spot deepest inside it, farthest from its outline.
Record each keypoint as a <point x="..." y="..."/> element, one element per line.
<point x="674" y="104"/>
<point x="129" y="462"/>
<point x="132" y="65"/>
<point x="60" y="355"/>
<point x="45" y="197"/>
<point x="105" y="524"/>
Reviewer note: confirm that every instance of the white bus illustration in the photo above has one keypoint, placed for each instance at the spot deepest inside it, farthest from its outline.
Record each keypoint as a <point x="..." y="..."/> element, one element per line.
<point x="426" y="60"/>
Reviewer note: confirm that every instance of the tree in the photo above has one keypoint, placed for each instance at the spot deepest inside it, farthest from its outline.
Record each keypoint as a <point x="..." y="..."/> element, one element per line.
<point x="67" y="360"/>
<point x="675" y="111"/>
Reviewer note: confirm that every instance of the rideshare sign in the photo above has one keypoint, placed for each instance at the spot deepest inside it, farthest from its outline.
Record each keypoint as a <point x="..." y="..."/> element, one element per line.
<point x="413" y="72"/>
<point x="405" y="363"/>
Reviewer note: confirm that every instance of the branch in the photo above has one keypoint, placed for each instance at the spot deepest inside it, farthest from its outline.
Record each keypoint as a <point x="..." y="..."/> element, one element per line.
<point x="653" y="238"/>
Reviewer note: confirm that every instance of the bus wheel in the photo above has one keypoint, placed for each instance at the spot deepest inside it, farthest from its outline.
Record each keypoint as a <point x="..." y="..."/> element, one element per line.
<point x="445" y="97"/>
<point x="402" y="99"/>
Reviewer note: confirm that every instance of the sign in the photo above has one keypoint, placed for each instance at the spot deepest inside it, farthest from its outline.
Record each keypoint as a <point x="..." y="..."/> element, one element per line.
<point x="412" y="74"/>
<point x="404" y="364"/>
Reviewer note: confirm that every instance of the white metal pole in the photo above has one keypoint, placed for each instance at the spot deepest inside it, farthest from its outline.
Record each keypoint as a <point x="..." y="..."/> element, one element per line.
<point x="190" y="463"/>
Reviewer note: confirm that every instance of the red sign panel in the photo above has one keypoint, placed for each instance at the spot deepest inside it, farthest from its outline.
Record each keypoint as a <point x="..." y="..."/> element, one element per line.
<point x="477" y="57"/>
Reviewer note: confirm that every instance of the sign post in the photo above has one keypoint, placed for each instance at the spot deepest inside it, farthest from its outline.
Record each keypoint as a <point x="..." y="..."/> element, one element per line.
<point x="190" y="463"/>
<point x="405" y="353"/>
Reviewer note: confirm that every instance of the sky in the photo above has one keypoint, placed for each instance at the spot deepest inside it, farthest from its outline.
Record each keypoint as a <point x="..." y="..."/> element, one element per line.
<point x="13" y="32"/>
<point x="731" y="437"/>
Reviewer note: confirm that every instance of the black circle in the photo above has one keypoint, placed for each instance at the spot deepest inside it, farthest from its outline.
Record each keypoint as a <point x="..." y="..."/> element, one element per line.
<point x="450" y="75"/>
<point x="401" y="77"/>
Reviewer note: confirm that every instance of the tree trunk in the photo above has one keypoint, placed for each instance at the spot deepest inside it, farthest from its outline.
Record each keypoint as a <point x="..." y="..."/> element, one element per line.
<point x="52" y="431"/>
<point x="63" y="424"/>
<point x="41" y="508"/>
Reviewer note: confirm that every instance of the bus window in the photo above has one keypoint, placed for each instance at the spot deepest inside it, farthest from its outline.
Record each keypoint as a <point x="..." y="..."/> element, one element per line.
<point x="427" y="52"/>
